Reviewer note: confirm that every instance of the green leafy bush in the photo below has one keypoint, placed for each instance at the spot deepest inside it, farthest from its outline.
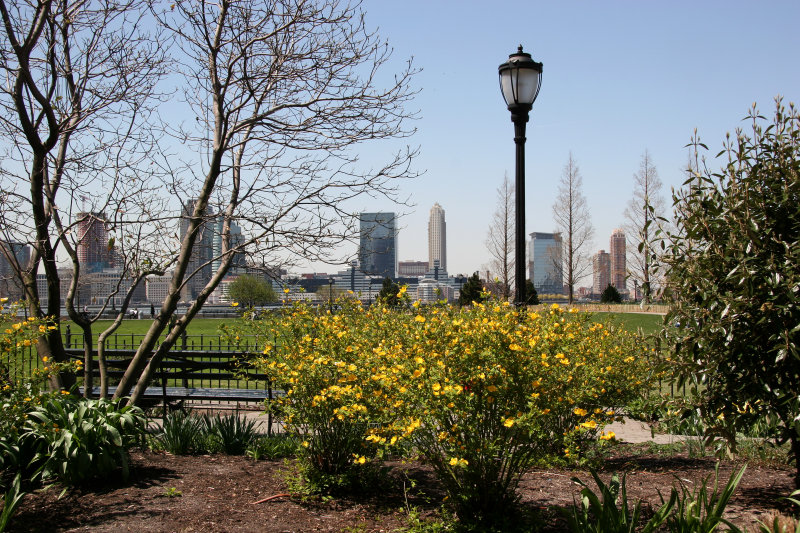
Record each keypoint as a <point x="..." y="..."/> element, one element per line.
<point x="11" y="500"/>
<point x="600" y="514"/>
<point x="733" y="277"/>
<point x="700" y="510"/>
<point x="273" y="447"/>
<point x="182" y="433"/>
<point x="78" y="439"/>
<point x="232" y="434"/>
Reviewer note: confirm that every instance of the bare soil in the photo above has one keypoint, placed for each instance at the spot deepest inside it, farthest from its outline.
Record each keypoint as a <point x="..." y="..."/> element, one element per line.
<point x="218" y="493"/>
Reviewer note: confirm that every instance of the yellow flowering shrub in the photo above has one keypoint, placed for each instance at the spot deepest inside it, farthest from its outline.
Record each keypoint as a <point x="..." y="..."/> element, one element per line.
<point x="479" y="393"/>
<point x="20" y="391"/>
<point x="317" y="358"/>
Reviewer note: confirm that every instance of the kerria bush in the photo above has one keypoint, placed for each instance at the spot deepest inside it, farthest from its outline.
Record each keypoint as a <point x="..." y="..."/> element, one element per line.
<point x="330" y="402"/>
<point x="23" y="382"/>
<point x="483" y="393"/>
<point x="478" y="393"/>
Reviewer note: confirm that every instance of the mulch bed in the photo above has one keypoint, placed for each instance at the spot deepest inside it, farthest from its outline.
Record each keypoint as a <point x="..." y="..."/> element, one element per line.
<point x="217" y="493"/>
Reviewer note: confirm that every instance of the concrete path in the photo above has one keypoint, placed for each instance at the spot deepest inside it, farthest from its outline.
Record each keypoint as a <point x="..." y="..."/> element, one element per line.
<point x="628" y="430"/>
<point x="634" y="431"/>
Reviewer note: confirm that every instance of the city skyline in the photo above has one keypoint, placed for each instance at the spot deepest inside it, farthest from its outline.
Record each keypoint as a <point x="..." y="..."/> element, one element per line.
<point x="653" y="89"/>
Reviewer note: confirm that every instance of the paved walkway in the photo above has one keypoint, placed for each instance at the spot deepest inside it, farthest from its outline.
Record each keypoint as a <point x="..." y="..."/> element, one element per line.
<point x="628" y="430"/>
<point x="633" y="431"/>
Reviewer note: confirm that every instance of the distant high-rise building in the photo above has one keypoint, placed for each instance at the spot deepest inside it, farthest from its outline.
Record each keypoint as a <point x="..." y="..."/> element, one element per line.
<point x="618" y="264"/>
<point x="10" y="253"/>
<point x="377" y="251"/>
<point x="202" y="252"/>
<point x="601" y="269"/>
<point x="545" y="268"/>
<point x="437" y="238"/>
<point x="237" y="239"/>
<point x="94" y="253"/>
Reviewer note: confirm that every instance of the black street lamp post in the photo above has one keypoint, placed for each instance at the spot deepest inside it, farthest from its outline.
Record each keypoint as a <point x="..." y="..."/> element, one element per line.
<point x="520" y="81"/>
<point x="330" y="295"/>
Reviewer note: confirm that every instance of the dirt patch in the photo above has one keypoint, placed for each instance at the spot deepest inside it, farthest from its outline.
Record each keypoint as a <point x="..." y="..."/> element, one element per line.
<point x="217" y="493"/>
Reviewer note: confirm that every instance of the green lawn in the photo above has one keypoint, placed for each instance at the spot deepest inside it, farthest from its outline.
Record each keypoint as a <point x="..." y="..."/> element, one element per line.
<point x="647" y="324"/>
<point x="209" y="327"/>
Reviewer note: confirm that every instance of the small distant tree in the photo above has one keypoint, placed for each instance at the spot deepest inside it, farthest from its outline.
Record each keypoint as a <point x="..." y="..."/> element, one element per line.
<point x="500" y="241"/>
<point x="571" y="215"/>
<point x="471" y="291"/>
<point x="732" y="281"/>
<point x="610" y="295"/>
<point x="389" y="293"/>
<point x="250" y="290"/>
<point x="644" y="221"/>
<point x="531" y="297"/>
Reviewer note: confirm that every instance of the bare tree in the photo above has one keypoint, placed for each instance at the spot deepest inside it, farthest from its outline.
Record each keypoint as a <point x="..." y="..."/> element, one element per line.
<point x="644" y="216"/>
<point x="78" y="79"/>
<point x="500" y="239"/>
<point x="283" y="94"/>
<point x="573" y="221"/>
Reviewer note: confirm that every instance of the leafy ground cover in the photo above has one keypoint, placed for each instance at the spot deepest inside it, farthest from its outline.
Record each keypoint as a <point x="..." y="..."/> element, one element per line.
<point x="218" y="493"/>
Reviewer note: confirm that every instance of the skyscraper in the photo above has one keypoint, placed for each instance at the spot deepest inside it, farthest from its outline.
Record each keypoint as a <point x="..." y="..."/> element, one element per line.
<point x="10" y="252"/>
<point x="601" y="270"/>
<point x="545" y="266"/>
<point x="202" y="252"/>
<point x="437" y="238"/>
<point x="92" y="247"/>
<point x="377" y="249"/>
<point x="618" y="265"/>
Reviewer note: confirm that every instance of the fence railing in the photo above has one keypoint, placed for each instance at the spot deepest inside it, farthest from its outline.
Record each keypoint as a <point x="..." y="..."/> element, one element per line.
<point x="200" y="360"/>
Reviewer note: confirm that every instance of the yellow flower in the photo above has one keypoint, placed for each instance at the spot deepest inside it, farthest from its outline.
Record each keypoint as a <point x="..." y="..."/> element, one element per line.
<point x="608" y="436"/>
<point x="580" y="412"/>
<point x="419" y="318"/>
<point x="45" y="359"/>
<point x="267" y="349"/>
<point x="515" y="347"/>
<point x="591" y="424"/>
<point x="508" y="422"/>
<point x="286" y="291"/>
<point x="234" y="304"/>
<point x="305" y="444"/>
<point x="3" y="300"/>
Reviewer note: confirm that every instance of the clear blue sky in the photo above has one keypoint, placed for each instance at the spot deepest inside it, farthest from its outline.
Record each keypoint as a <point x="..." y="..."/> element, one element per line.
<point x="619" y="78"/>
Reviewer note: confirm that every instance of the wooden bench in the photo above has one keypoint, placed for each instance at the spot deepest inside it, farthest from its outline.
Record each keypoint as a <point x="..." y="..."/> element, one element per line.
<point x="175" y="381"/>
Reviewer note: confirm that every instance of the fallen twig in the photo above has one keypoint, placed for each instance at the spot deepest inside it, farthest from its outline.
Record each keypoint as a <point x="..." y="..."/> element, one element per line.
<point x="284" y="495"/>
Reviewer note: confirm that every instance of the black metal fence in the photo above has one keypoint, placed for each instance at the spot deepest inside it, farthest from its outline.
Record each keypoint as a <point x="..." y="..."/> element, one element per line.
<point x="209" y="361"/>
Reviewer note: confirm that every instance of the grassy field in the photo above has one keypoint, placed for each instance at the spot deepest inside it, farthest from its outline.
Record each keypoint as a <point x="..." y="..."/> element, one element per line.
<point x="647" y="324"/>
<point x="209" y="327"/>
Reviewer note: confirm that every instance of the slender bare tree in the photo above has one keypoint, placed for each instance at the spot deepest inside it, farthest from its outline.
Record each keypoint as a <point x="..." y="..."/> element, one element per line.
<point x="573" y="221"/>
<point x="500" y="240"/>
<point x="644" y="217"/>
<point x="283" y="94"/>
<point x="79" y="78"/>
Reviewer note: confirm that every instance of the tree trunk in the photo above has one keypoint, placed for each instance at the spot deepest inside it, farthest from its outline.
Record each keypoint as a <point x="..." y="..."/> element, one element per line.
<point x="88" y="382"/>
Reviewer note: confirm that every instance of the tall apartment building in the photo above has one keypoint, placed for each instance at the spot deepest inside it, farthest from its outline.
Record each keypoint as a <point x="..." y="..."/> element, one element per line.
<point x="377" y="250"/>
<point x="10" y="252"/>
<point x="92" y="248"/>
<point x="202" y="252"/>
<point x="618" y="262"/>
<point x="545" y="268"/>
<point x="601" y="270"/>
<point x="437" y="238"/>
